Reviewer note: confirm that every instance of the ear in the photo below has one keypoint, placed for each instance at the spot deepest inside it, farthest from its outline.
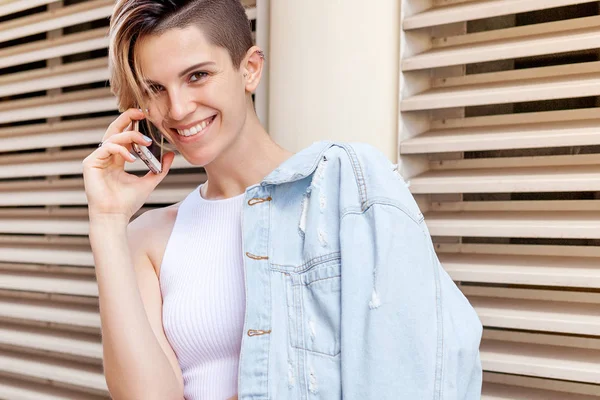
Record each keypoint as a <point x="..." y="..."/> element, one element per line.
<point x="251" y="68"/>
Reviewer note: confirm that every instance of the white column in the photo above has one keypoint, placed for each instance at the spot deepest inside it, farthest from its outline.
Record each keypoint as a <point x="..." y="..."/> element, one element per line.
<point x="261" y="100"/>
<point x="333" y="72"/>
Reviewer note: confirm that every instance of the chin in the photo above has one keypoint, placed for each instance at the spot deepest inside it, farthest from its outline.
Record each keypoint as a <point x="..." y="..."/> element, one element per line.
<point x="203" y="152"/>
<point x="201" y="156"/>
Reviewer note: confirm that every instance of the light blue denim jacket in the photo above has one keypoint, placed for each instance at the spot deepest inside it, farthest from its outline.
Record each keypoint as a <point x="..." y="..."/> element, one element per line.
<point x="345" y="296"/>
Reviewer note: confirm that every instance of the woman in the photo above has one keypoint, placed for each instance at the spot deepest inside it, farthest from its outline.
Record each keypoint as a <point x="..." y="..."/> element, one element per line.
<point x="283" y="276"/>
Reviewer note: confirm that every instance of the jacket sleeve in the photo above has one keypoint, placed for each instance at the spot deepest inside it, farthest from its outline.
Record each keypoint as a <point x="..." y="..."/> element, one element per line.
<point x="407" y="332"/>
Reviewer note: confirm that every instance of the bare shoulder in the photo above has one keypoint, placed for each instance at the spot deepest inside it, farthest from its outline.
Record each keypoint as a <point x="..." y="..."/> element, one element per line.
<point x="150" y="232"/>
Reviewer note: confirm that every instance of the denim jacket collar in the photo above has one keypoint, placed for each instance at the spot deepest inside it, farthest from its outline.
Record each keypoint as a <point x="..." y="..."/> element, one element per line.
<point x="299" y="166"/>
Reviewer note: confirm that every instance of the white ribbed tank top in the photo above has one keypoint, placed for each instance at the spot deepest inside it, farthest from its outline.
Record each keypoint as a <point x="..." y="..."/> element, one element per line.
<point x="203" y="290"/>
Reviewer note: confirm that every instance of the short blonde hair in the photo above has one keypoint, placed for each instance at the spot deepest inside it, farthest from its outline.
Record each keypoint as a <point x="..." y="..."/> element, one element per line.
<point x="224" y="22"/>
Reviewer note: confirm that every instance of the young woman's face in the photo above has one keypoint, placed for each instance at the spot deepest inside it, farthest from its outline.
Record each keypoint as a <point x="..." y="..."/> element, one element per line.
<point x="200" y="98"/>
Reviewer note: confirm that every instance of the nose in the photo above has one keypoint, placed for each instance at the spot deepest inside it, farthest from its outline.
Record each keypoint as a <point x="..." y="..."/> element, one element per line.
<point x="180" y="105"/>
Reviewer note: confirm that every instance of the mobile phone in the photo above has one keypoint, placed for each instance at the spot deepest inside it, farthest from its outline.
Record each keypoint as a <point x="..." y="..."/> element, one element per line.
<point x="151" y="155"/>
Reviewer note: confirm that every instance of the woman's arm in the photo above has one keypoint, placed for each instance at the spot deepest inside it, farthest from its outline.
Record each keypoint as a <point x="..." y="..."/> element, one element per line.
<point x="138" y="360"/>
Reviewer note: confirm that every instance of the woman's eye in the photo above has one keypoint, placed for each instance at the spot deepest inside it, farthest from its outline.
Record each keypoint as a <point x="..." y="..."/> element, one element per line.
<point x="196" y="76"/>
<point x="156" y="88"/>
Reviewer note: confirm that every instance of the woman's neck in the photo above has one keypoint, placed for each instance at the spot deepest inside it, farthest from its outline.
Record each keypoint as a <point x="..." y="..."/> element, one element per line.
<point x="246" y="162"/>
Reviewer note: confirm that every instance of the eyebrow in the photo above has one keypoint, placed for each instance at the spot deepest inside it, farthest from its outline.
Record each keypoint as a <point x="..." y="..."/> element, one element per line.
<point x="185" y="71"/>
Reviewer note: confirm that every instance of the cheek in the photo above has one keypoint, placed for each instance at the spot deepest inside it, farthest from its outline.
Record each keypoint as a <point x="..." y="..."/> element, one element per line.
<point x="167" y="134"/>
<point x="231" y="104"/>
<point x="230" y="91"/>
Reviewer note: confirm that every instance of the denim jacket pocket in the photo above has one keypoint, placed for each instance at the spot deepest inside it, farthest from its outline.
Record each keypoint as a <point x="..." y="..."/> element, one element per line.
<point x="314" y="308"/>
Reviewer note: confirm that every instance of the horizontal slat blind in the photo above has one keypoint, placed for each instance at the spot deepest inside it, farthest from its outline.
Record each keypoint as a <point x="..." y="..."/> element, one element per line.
<point x="499" y="140"/>
<point x="54" y="109"/>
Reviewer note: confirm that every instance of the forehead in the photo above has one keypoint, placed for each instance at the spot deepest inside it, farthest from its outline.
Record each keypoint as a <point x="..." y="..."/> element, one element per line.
<point x="174" y="50"/>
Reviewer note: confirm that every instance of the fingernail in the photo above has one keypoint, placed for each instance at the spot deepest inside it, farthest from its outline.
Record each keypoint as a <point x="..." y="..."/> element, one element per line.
<point x="132" y="157"/>
<point x="146" y="138"/>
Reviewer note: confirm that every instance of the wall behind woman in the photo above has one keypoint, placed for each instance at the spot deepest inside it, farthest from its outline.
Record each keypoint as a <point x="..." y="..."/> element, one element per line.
<point x="334" y="72"/>
<point x="499" y="134"/>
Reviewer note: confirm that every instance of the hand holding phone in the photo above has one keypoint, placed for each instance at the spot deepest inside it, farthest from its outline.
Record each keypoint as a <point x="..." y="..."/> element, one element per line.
<point x="112" y="193"/>
<point x="151" y="155"/>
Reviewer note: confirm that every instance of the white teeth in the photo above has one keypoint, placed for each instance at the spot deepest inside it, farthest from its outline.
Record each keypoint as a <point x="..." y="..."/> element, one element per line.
<point x="195" y="129"/>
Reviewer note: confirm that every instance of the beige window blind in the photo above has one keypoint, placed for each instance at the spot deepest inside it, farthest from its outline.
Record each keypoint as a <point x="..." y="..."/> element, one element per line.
<point x="55" y="105"/>
<point x="499" y="139"/>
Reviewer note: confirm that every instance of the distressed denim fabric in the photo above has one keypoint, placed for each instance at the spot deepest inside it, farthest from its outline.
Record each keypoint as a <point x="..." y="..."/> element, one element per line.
<point x="345" y="295"/>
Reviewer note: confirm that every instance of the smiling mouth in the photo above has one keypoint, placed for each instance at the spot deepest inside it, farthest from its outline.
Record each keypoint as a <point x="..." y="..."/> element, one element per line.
<point x="198" y="128"/>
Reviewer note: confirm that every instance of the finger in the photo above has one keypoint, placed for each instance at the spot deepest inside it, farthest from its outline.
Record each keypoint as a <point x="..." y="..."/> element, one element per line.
<point x="128" y="137"/>
<point x="123" y="121"/>
<point x="168" y="159"/>
<point x="108" y="150"/>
